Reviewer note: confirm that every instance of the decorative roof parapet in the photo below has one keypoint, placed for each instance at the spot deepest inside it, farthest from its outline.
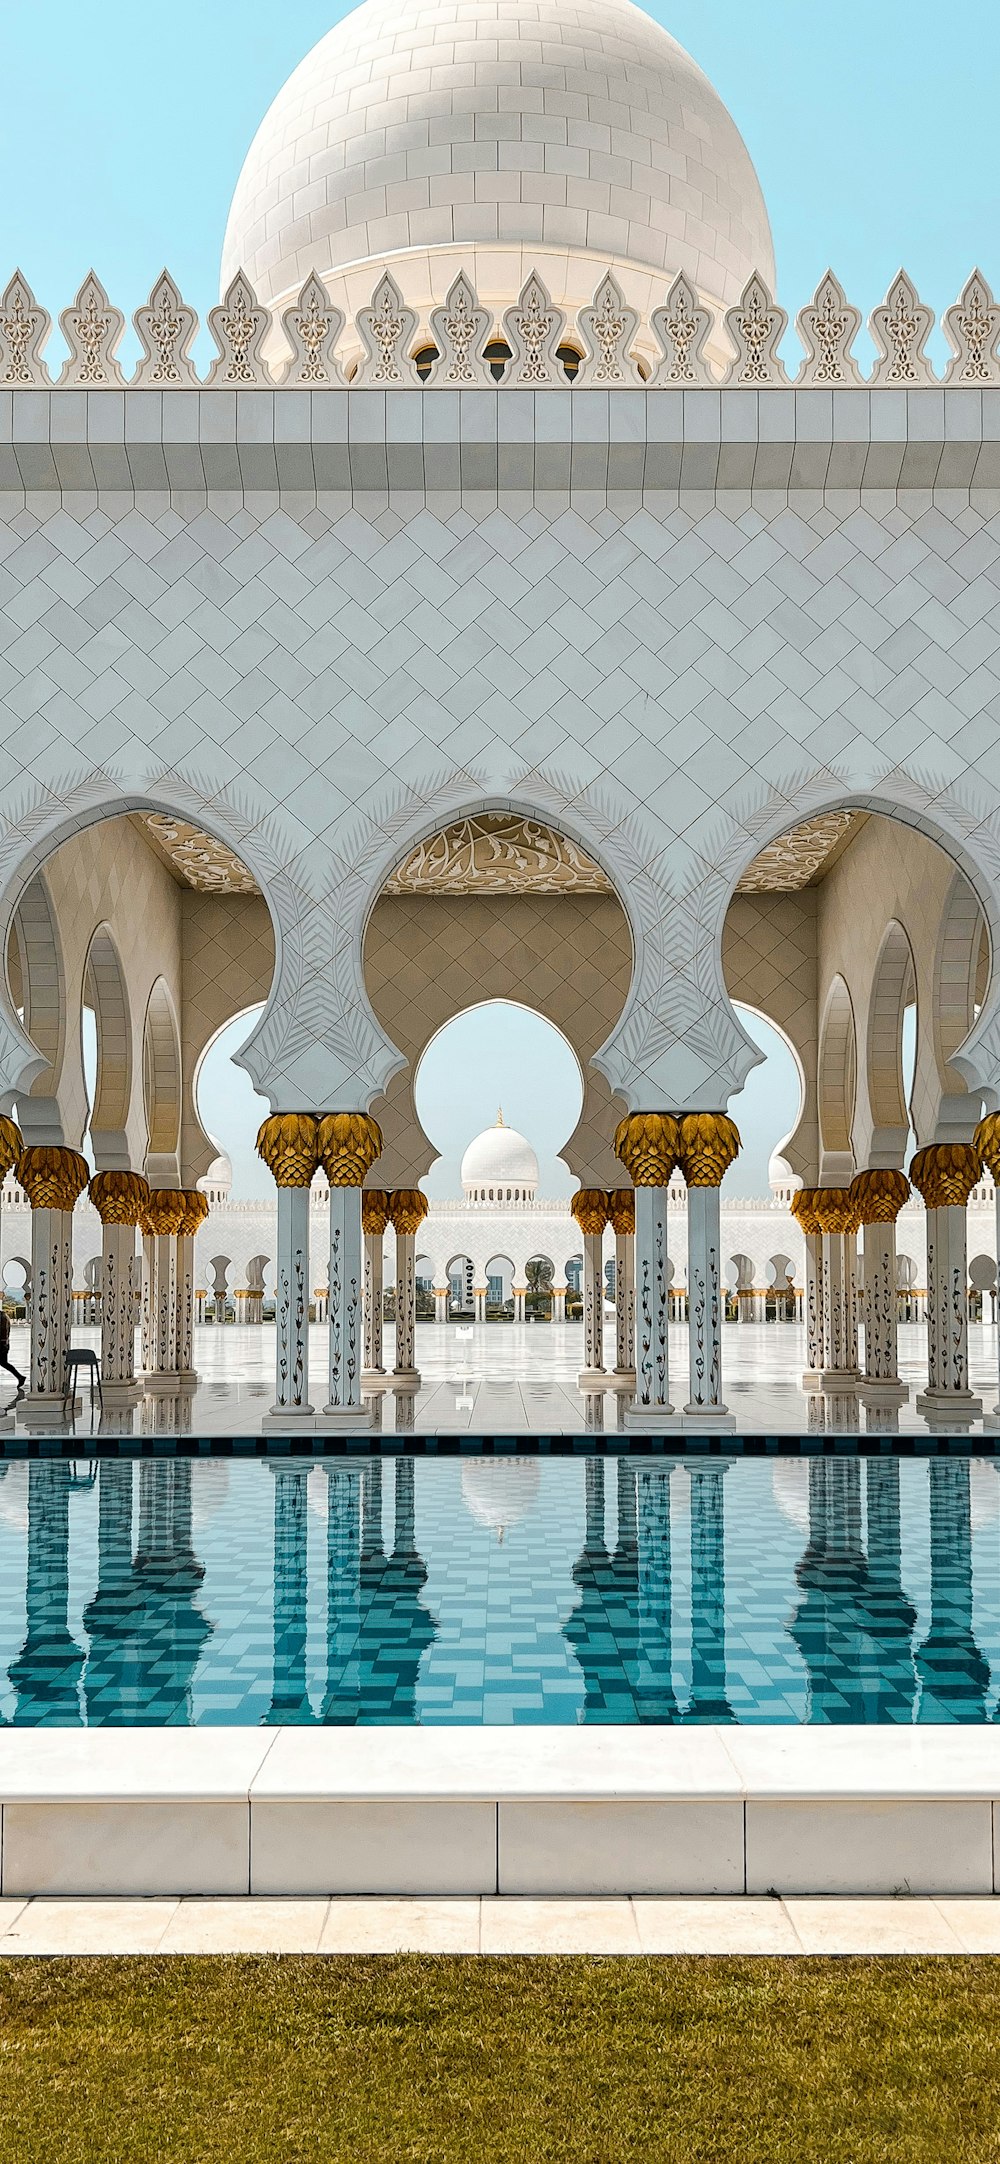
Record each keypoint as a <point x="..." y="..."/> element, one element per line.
<point x="526" y="346"/>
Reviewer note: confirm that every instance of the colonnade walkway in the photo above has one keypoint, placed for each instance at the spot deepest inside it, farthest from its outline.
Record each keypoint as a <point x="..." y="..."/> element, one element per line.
<point x="522" y="1379"/>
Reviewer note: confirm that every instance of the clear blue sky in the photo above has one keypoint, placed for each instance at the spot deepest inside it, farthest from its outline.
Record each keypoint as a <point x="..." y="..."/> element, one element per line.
<point x="871" y="129"/>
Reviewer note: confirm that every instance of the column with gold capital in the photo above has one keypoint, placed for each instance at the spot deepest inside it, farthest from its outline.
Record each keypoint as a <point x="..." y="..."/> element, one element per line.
<point x="803" y="1209"/>
<point x="288" y="1142"/>
<point x="407" y="1210"/>
<point x="120" y="1199"/>
<point x="945" y="1174"/>
<point x="987" y="1141"/>
<point x="709" y="1142"/>
<point x="374" y="1221"/>
<point x="53" y="1178"/>
<point x="349" y="1144"/>
<point x="837" y="1214"/>
<point x="621" y="1216"/>
<point x="879" y="1196"/>
<point x="590" y="1210"/>
<point x="163" y="1217"/>
<point x="196" y="1210"/>
<point x="648" y="1144"/>
<point x="11" y="1146"/>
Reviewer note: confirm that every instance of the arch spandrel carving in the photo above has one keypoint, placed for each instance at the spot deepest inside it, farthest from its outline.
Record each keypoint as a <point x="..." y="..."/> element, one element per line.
<point x="167" y="329"/>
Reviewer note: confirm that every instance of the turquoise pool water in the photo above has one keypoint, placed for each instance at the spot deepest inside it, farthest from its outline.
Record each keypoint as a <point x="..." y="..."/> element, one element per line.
<point x="499" y="1589"/>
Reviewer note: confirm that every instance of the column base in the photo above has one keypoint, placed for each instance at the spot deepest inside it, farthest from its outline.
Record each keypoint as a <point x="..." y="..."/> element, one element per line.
<point x="281" y="1421"/>
<point x="404" y="1379"/>
<point x="187" y="1379"/>
<point x="163" y="1383"/>
<point x="839" y="1380"/>
<point x="650" y="1419"/>
<point x="887" y="1390"/>
<point x="123" y="1393"/>
<point x="948" y="1405"/>
<point x="374" y="1380"/>
<point x="810" y="1380"/>
<point x="621" y="1379"/>
<point x="590" y="1379"/>
<point x="710" y="1416"/>
<point x="343" y="1420"/>
<point x="46" y="1410"/>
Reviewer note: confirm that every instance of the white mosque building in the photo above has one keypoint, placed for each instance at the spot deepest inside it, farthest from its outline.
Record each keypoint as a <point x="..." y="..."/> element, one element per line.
<point x="521" y="601"/>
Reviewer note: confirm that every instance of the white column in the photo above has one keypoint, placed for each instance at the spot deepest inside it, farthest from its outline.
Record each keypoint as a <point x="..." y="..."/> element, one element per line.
<point x="652" y="1367"/>
<point x="815" y="1307"/>
<point x="986" y="1141"/>
<point x="520" y="1292"/>
<point x="195" y="1213"/>
<point x="441" y="1298"/>
<point x="406" y="1308"/>
<point x="838" y="1288"/>
<point x="120" y="1268"/>
<point x="624" y="1374"/>
<point x="160" y="1352"/>
<point x="558" y="1303"/>
<point x="343" y="1407"/>
<point x="374" y="1376"/>
<point x="880" y="1194"/>
<point x="945" y="1174"/>
<point x="52" y="1179"/>
<point x="705" y="1305"/>
<point x="479" y="1297"/>
<point x="593" y="1310"/>
<point x="291" y="1406"/>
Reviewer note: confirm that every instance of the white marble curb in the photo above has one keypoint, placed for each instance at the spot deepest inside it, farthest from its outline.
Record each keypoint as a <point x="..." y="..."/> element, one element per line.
<point x="536" y="1812"/>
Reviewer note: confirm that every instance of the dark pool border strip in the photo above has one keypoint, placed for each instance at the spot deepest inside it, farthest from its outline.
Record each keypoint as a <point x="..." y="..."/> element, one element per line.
<point x="16" y="1448"/>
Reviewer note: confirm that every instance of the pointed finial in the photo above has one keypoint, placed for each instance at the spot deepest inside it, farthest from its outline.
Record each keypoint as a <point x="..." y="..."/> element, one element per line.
<point x="499" y="1115"/>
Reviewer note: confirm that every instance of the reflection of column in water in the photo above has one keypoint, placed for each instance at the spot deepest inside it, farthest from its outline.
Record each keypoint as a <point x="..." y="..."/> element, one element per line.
<point x="954" y="1674"/>
<point x="109" y="1618"/>
<point x="395" y="1628"/>
<point x="815" y="1414"/>
<point x="169" y="1630"/>
<point x="343" y="1594"/>
<point x="591" y="1627"/>
<point x="372" y="1543"/>
<point x="889" y="1615"/>
<point x="708" y="1700"/>
<point x="46" y="1673"/>
<point x="655" y="1699"/>
<point x="289" y="1693"/>
<point x="828" y="1625"/>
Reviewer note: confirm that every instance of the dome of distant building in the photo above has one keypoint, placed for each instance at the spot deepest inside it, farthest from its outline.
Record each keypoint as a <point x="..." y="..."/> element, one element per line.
<point x="782" y="1181"/>
<point x="499" y="137"/>
<point x="500" y="1166"/>
<point x="217" y="1182"/>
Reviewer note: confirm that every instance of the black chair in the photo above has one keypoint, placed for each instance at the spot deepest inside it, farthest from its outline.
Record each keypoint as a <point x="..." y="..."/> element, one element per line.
<point x="88" y="1360"/>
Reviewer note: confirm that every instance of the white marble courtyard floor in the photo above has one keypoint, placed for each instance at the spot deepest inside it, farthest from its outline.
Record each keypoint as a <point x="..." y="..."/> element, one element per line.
<point x="510" y="1379"/>
<point x="498" y="1926"/>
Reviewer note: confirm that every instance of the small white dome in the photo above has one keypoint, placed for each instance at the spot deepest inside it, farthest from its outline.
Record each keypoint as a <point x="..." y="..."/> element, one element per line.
<point x="218" y="1180"/>
<point x="782" y="1181"/>
<point x="567" y="137"/>
<point x="500" y="1166"/>
<point x="499" y="1492"/>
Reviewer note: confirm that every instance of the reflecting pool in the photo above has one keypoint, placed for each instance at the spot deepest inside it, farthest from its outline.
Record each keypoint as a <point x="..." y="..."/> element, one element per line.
<point x="499" y="1589"/>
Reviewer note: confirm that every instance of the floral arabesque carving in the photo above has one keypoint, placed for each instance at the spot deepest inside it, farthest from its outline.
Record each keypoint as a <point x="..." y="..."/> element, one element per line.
<point x="24" y="328"/>
<point x="349" y="1143"/>
<point x="828" y="328"/>
<point x="901" y="327"/>
<point x="239" y="327"/>
<point x="93" y="331"/>
<point x="681" y="329"/>
<point x="204" y="863"/>
<point x="387" y="329"/>
<point x="312" y="329"/>
<point x="755" y="326"/>
<point x="972" y="328"/>
<point x="589" y="1207"/>
<point x="609" y="326"/>
<point x="534" y="331"/>
<point x="460" y="330"/>
<point x="166" y="328"/>
<point x="495" y="851"/>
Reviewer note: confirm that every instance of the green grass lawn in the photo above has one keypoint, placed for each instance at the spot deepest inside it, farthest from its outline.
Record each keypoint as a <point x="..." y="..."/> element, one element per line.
<point x="268" y="2061"/>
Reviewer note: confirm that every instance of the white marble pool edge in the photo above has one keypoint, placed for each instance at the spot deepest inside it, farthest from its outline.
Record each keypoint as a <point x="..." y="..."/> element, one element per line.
<point x="498" y="1813"/>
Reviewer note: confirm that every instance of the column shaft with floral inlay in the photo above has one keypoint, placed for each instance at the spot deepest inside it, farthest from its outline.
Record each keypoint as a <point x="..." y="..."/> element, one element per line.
<point x="196" y="1209"/>
<point x="945" y="1174"/>
<point x="879" y="1196"/>
<point x="374" y="1220"/>
<point x="836" y="1211"/>
<point x="53" y="1178"/>
<point x="289" y="1144"/>
<point x="648" y="1144"/>
<point x="120" y="1199"/>
<point x="349" y="1144"/>
<point x="804" y="1211"/>
<point x="621" y="1216"/>
<point x="11" y="1147"/>
<point x="407" y="1210"/>
<point x="162" y="1221"/>
<point x="709" y="1143"/>
<point x="590" y="1210"/>
<point x="987" y="1141"/>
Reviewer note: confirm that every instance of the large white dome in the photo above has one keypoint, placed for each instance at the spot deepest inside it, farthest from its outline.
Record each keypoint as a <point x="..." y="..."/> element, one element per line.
<point x="499" y="1166"/>
<point x="499" y="137"/>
